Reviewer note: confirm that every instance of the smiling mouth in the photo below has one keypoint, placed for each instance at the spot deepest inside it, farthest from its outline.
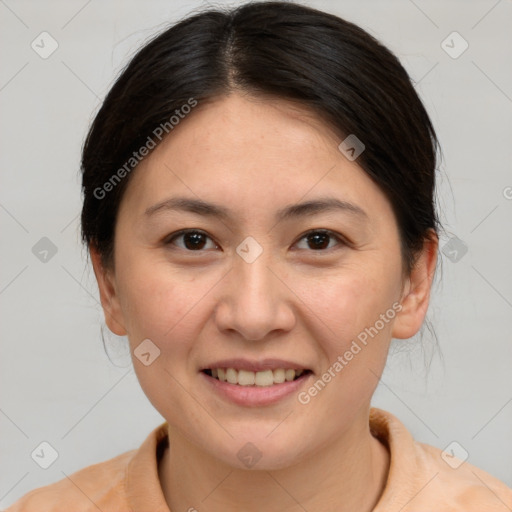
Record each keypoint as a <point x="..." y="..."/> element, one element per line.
<point x="261" y="379"/>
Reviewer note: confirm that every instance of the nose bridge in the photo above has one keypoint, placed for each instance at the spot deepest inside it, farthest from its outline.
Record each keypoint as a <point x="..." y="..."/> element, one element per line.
<point x="251" y="267"/>
<point x="255" y="281"/>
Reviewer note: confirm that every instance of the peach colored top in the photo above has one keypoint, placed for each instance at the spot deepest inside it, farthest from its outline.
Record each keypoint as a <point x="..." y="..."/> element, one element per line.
<point x="419" y="480"/>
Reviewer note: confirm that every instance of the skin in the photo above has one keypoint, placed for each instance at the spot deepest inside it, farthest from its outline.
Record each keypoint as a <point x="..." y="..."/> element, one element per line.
<point x="255" y="156"/>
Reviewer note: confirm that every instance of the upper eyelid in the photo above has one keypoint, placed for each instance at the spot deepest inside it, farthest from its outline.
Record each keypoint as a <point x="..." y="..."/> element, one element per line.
<point x="333" y="234"/>
<point x="168" y="239"/>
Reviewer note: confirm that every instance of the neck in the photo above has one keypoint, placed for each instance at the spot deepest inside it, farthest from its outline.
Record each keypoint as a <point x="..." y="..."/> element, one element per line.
<point x="349" y="474"/>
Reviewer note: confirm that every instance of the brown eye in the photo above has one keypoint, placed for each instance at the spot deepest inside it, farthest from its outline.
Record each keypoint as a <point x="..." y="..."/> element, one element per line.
<point x="319" y="240"/>
<point x="193" y="240"/>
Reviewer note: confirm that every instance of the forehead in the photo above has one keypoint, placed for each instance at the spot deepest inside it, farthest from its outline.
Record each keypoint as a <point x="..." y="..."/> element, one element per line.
<point x="254" y="153"/>
<point x="245" y="126"/>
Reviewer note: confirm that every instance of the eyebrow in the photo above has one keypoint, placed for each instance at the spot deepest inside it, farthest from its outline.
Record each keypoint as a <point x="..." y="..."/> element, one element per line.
<point x="200" y="207"/>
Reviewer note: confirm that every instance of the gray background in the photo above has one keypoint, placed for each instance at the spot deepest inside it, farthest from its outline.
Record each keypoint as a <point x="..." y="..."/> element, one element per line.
<point x="58" y="385"/>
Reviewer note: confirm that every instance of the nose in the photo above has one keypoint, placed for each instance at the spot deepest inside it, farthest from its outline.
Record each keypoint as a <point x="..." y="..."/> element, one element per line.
<point x="255" y="302"/>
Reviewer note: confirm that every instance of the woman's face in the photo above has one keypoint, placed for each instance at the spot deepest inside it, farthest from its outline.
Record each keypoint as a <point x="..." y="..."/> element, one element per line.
<point x="252" y="290"/>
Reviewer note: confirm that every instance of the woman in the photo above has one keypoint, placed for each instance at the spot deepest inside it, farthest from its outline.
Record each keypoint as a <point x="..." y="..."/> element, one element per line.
<point x="259" y="210"/>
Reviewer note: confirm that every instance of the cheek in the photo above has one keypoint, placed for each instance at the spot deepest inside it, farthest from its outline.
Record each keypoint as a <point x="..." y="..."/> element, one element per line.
<point x="158" y="302"/>
<point x="163" y="305"/>
<point x="355" y="314"/>
<point x="349" y="302"/>
<point x="166" y="304"/>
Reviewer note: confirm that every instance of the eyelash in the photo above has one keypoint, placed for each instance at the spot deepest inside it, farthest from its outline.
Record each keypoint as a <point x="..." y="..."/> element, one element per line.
<point x="341" y="241"/>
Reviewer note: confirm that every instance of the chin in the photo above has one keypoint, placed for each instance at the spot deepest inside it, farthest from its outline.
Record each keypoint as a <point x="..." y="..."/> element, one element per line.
<point x="259" y="453"/>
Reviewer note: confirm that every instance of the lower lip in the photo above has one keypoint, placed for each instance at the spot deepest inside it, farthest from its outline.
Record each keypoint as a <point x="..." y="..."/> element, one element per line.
<point x="255" y="396"/>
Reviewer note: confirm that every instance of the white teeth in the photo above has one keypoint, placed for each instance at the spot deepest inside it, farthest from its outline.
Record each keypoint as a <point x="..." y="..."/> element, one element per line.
<point x="232" y="376"/>
<point x="265" y="378"/>
<point x="279" y="376"/>
<point x="246" y="378"/>
<point x="289" y="375"/>
<point x="262" y="379"/>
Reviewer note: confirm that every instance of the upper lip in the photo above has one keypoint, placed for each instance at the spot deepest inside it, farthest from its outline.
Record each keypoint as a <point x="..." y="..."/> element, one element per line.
<point x="255" y="366"/>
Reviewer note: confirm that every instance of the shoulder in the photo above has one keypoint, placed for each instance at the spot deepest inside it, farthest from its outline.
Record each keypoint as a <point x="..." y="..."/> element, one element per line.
<point x="97" y="487"/>
<point x="423" y="477"/>
<point x="461" y="485"/>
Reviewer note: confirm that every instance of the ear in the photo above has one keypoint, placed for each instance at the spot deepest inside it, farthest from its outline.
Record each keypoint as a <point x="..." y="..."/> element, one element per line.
<point x="416" y="294"/>
<point x="108" y="294"/>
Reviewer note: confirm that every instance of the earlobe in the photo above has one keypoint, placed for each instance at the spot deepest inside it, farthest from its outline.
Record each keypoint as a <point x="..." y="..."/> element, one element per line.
<point x="416" y="295"/>
<point x="108" y="294"/>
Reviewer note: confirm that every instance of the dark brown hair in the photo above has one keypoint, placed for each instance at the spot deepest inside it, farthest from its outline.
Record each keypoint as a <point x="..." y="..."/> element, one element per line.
<point x="284" y="50"/>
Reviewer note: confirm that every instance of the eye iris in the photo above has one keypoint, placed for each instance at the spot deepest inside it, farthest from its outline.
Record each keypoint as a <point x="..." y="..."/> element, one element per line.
<point x="197" y="243"/>
<point x="196" y="240"/>
<point x="320" y="240"/>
